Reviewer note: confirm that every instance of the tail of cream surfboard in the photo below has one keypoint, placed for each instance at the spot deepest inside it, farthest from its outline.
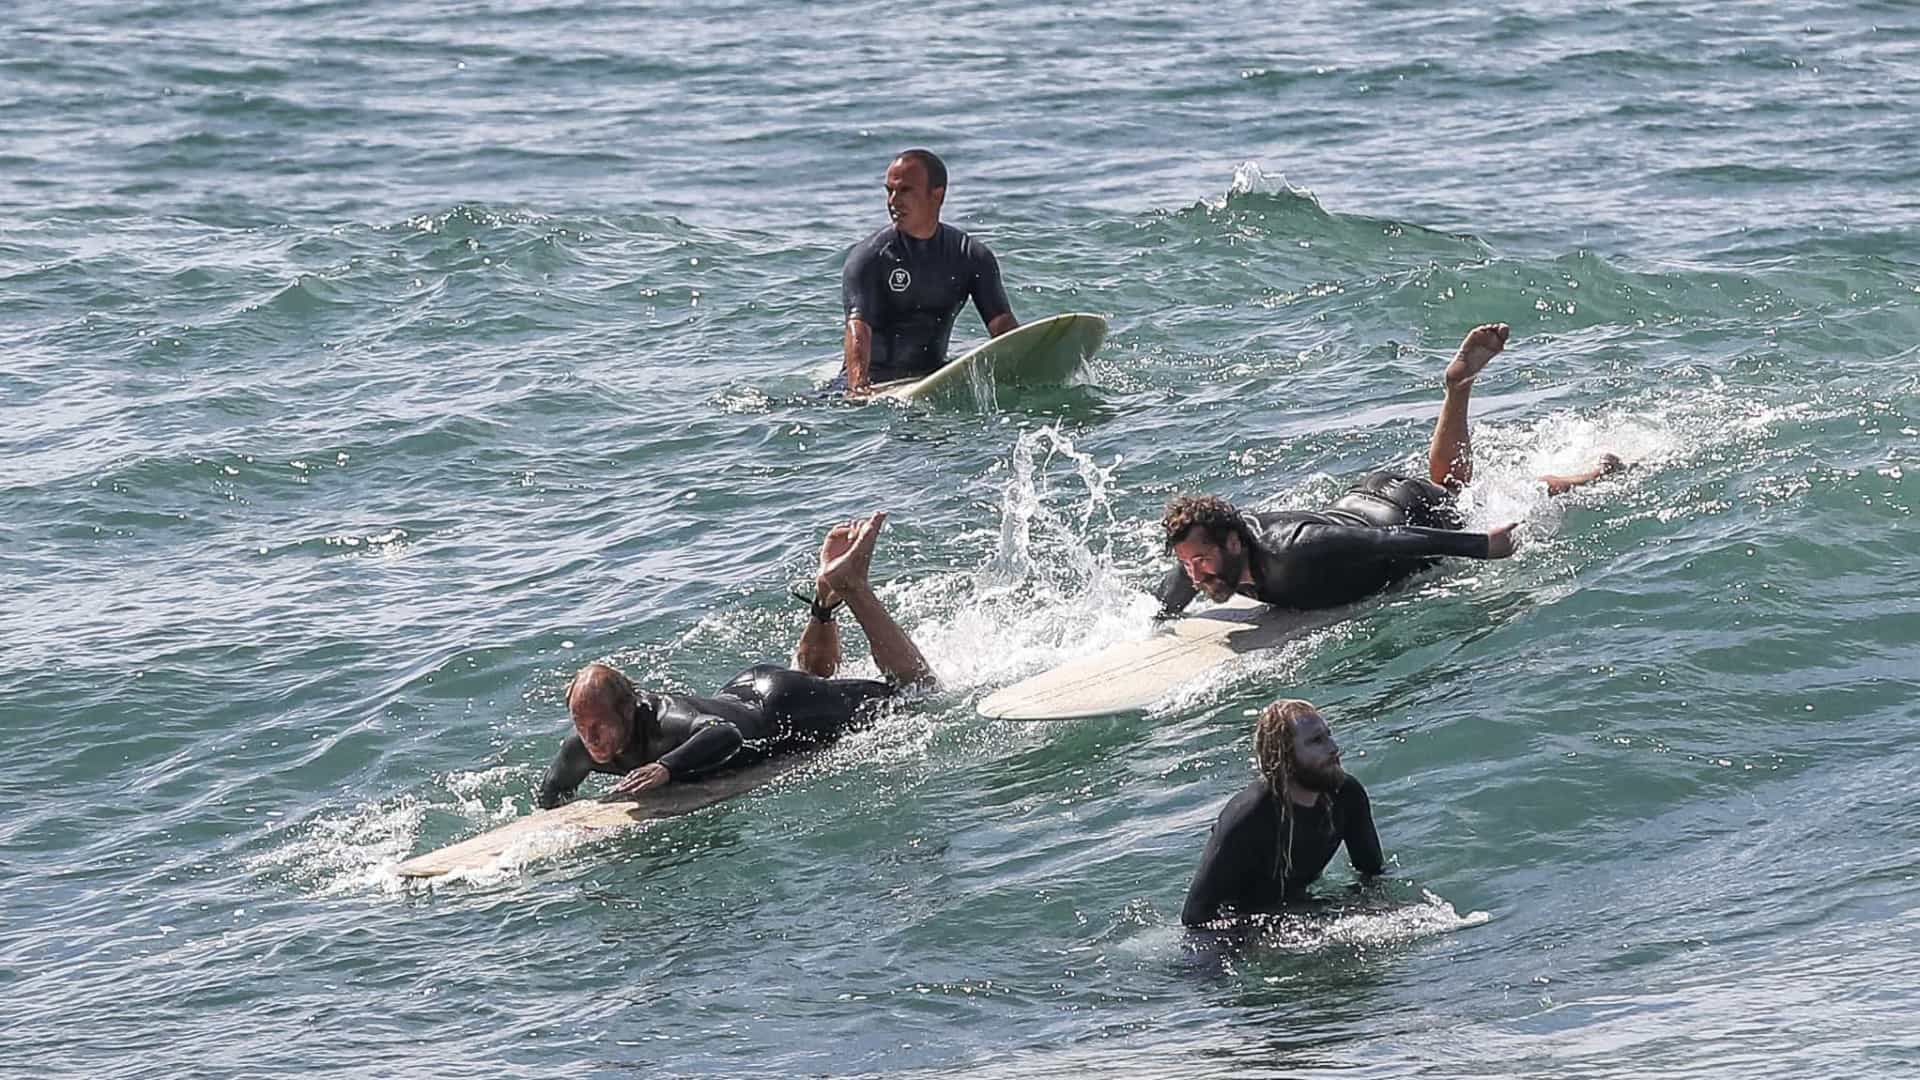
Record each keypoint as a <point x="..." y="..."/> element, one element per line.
<point x="1132" y="675"/>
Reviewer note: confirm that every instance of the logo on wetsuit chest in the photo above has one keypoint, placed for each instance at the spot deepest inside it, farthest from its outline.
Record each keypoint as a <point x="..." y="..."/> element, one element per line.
<point x="899" y="279"/>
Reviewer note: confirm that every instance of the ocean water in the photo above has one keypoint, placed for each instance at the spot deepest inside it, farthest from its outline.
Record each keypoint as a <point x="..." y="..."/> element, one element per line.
<point x="369" y="368"/>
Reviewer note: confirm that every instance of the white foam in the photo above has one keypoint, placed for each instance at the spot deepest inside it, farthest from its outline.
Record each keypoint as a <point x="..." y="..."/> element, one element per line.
<point x="1369" y="927"/>
<point x="1049" y="590"/>
<point x="354" y="851"/>
<point x="359" y="849"/>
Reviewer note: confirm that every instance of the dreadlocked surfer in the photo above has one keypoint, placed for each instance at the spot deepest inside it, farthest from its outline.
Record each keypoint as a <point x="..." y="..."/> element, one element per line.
<point x="1276" y="836"/>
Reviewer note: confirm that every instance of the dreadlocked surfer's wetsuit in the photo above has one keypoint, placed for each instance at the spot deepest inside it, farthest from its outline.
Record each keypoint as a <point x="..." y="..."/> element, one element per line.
<point x="1385" y="528"/>
<point x="1259" y="857"/>
<point x="765" y="710"/>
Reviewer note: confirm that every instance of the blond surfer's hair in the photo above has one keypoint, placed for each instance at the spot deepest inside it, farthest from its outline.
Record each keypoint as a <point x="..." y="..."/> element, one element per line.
<point x="1273" y="756"/>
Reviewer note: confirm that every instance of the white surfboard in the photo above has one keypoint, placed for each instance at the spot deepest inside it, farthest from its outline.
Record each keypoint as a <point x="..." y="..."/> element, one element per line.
<point x="1132" y="675"/>
<point x="584" y="818"/>
<point x="1045" y="352"/>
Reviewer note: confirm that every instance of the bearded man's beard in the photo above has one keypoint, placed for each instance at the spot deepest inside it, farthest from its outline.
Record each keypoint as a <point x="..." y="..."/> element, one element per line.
<point x="1219" y="588"/>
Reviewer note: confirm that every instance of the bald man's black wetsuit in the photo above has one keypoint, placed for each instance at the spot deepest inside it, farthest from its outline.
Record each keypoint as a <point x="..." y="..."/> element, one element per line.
<point x="1385" y="528"/>
<point x="908" y="292"/>
<point x="765" y="710"/>
<point x="1243" y="869"/>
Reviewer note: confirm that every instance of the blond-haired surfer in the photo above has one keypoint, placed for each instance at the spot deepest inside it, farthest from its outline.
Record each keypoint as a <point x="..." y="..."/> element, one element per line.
<point x="649" y="739"/>
<point x="1274" y="838"/>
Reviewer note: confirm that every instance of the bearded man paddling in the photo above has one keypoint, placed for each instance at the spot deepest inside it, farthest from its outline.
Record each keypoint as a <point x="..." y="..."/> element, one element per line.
<point x="1275" y="837"/>
<point x="1387" y="527"/>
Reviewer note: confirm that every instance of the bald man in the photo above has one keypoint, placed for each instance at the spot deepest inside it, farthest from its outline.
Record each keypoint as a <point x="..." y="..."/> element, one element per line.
<point x="903" y="286"/>
<point x="649" y="739"/>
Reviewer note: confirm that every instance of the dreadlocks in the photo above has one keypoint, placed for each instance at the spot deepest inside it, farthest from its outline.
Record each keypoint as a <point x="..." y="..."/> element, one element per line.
<point x="1273" y="756"/>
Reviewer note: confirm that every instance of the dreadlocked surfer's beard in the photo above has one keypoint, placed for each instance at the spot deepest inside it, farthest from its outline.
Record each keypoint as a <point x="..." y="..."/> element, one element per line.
<point x="1324" y="781"/>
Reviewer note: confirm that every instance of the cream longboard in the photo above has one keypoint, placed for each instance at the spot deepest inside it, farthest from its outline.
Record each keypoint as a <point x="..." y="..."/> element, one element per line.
<point x="586" y="817"/>
<point x="1045" y="352"/>
<point x="1132" y="675"/>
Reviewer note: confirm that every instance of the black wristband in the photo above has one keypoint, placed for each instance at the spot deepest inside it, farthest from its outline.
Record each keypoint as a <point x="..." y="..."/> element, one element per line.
<point x="821" y="612"/>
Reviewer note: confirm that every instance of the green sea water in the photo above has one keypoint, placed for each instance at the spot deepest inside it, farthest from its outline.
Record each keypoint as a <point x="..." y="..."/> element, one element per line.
<point x="368" y="370"/>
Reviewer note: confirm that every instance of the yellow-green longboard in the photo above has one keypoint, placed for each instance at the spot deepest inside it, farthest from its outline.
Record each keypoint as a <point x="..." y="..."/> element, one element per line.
<point x="1045" y="352"/>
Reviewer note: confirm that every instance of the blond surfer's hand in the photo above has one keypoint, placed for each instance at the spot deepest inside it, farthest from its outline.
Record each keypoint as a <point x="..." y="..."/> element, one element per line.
<point x="646" y="776"/>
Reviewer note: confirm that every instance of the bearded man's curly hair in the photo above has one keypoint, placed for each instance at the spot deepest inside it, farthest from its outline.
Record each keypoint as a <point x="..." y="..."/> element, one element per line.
<point x="1209" y="513"/>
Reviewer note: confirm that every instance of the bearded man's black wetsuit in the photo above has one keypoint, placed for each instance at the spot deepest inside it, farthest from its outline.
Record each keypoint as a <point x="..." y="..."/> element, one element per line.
<point x="765" y="710"/>
<point x="1257" y="859"/>
<point x="1386" y="527"/>
<point x="908" y="291"/>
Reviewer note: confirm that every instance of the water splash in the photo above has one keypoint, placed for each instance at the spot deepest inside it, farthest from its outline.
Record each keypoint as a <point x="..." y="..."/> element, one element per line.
<point x="1364" y="927"/>
<point x="1050" y="589"/>
<point x="357" y="850"/>
<point x="1250" y="179"/>
<point x="1028" y="506"/>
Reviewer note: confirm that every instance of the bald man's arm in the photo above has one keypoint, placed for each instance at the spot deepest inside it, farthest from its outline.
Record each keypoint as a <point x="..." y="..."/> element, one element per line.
<point x="862" y="300"/>
<point x="857" y="354"/>
<point x="990" y="293"/>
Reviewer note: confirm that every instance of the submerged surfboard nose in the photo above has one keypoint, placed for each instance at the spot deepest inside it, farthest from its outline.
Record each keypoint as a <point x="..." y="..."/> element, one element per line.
<point x="585" y="818"/>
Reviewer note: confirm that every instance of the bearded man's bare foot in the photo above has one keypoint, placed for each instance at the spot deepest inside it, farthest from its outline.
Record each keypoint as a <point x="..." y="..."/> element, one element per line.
<point x="1481" y="344"/>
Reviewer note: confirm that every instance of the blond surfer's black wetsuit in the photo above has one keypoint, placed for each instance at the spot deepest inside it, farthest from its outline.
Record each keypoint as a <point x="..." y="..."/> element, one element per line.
<point x="908" y="291"/>
<point x="1256" y="859"/>
<point x="1383" y="529"/>
<point x="765" y="710"/>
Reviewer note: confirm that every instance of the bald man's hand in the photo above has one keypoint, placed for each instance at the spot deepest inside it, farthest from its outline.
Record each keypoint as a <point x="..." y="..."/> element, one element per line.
<point x="646" y="776"/>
